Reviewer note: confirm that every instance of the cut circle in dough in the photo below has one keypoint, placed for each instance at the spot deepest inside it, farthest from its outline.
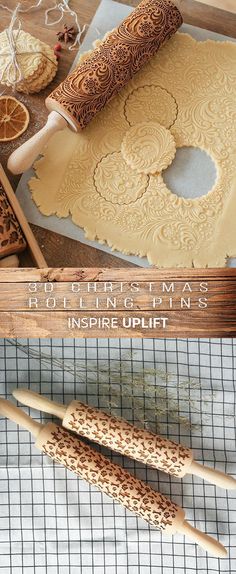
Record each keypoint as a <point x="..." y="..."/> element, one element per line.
<point x="116" y="182"/>
<point x="151" y="103"/>
<point x="148" y="147"/>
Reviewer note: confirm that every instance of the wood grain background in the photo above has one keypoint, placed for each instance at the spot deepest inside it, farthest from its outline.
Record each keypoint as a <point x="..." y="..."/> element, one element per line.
<point x="229" y="5"/>
<point x="217" y="320"/>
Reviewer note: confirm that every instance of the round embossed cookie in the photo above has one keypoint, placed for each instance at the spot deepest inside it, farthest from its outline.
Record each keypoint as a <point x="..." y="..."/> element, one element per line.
<point x="47" y="74"/>
<point x="151" y="103"/>
<point x="148" y="148"/>
<point x="29" y="56"/>
<point x="36" y="62"/>
<point x="117" y="182"/>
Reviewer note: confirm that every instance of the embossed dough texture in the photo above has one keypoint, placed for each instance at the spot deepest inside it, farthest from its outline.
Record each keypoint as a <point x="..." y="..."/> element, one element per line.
<point x="12" y="239"/>
<point x="120" y="436"/>
<point x="148" y="219"/>
<point x="111" y="479"/>
<point x="148" y="148"/>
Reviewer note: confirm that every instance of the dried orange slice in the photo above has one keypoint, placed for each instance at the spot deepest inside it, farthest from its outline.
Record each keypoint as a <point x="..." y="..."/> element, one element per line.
<point x="14" y="118"/>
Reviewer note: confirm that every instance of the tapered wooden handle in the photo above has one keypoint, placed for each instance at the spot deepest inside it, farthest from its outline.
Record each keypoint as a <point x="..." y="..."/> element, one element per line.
<point x="24" y="156"/>
<point x="213" y="475"/>
<point x="10" y="411"/>
<point x="207" y="542"/>
<point x="39" y="402"/>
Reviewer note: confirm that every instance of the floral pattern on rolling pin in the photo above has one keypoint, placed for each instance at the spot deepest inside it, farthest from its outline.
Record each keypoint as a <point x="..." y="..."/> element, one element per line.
<point x="11" y="236"/>
<point x="115" y="61"/>
<point x="109" y="478"/>
<point x="121" y="436"/>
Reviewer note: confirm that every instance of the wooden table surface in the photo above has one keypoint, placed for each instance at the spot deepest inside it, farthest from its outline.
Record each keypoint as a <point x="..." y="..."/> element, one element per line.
<point x="225" y="4"/>
<point x="60" y="251"/>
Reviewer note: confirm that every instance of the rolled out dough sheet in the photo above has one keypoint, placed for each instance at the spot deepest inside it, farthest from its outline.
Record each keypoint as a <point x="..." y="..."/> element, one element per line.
<point x="108" y="15"/>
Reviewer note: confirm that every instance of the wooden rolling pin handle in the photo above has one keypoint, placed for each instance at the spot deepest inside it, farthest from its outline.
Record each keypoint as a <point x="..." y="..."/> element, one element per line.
<point x="18" y="416"/>
<point x="24" y="156"/>
<point x="212" y="475"/>
<point x="207" y="542"/>
<point x="10" y="262"/>
<point x="39" y="402"/>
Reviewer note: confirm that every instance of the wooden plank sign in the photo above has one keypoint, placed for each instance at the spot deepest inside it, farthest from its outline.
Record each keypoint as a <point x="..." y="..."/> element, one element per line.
<point x="95" y="302"/>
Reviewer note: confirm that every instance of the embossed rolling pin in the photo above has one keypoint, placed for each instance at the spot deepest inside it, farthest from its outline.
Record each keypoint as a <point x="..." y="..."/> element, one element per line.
<point x="15" y="232"/>
<point x="121" y="436"/>
<point x="111" y="479"/>
<point x="95" y="81"/>
<point x="12" y="239"/>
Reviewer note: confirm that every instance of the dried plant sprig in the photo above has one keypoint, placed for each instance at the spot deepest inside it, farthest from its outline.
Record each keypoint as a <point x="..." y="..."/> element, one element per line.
<point x="153" y="395"/>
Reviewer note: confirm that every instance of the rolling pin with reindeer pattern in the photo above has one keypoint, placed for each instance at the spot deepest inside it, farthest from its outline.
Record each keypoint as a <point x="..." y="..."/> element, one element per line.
<point x="121" y="436"/>
<point x="111" y="479"/>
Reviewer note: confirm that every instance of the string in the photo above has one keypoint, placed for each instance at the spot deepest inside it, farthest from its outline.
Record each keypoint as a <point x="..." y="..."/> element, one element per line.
<point x="12" y="44"/>
<point x="19" y="9"/>
<point x="14" y="29"/>
<point x="12" y="33"/>
<point x="63" y="8"/>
